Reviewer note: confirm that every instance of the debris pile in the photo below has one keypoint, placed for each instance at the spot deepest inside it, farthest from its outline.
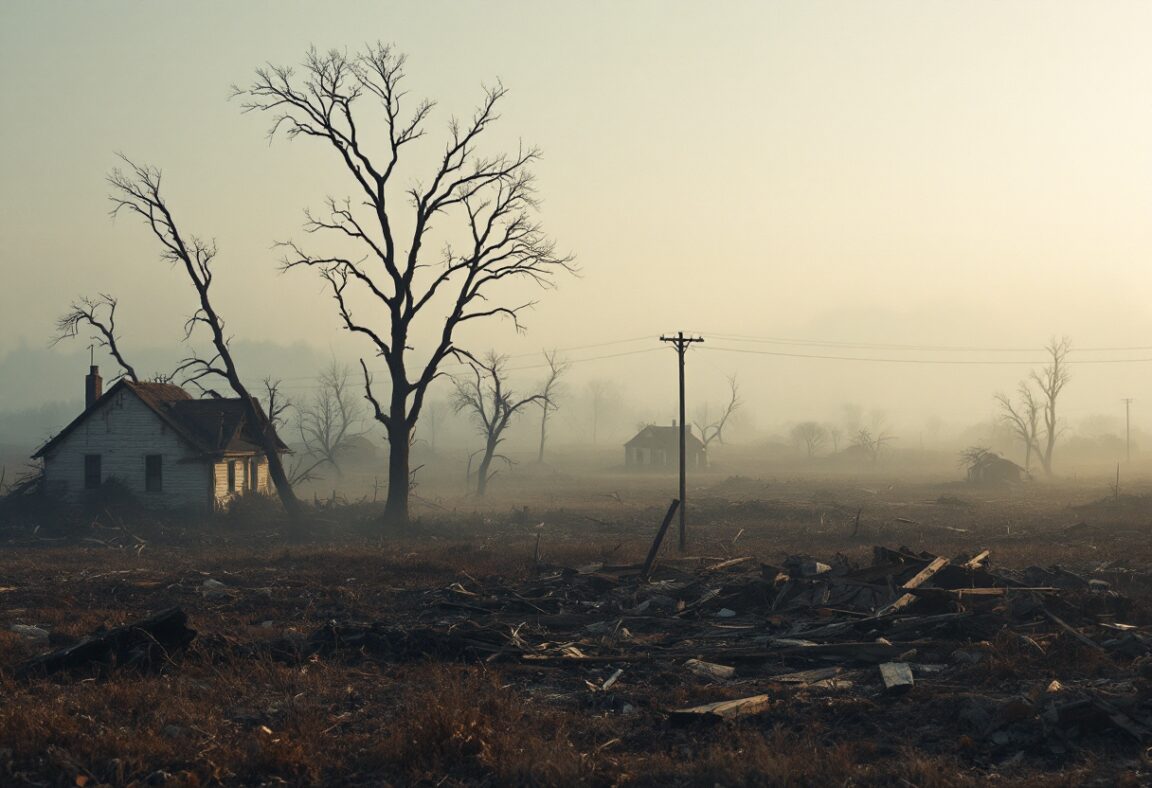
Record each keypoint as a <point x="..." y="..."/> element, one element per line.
<point x="1025" y="657"/>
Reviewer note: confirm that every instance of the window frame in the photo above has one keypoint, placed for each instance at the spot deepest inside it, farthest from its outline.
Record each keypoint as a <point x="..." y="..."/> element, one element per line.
<point x="154" y="473"/>
<point x="93" y="471"/>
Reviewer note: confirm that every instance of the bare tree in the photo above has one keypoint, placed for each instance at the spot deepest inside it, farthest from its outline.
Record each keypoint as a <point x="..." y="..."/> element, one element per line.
<point x="486" y="397"/>
<point x="1024" y="419"/>
<point x="810" y="435"/>
<point x="331" y="418"/>
<point x="99" y="314"/>
<point x="550" y="390"/>
<point x="137" y="191"/>
<point x="872" y="444"/>
<point x="1051" y="381"/>
<point x="714" y="430"/>
<point x="333" y="99"/>
<point x="1038" y="410"/>
<point x="835" y="434"/>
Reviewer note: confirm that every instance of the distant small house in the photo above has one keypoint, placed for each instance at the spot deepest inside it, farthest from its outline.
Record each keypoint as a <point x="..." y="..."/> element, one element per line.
<point x="659" y="447"/>
<point x="167" y="448"/>
<point x="990" y="468"/>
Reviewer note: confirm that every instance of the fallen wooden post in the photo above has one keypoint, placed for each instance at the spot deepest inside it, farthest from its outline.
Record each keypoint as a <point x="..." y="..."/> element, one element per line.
<point x="1072" y="630"/>
<point x="144" y="644"/>
<point x="710" y="669"/>
<point x="651" y="559"/>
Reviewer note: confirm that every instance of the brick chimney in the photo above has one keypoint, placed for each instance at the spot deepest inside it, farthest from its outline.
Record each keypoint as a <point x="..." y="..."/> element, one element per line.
<point x="93" y="386"/>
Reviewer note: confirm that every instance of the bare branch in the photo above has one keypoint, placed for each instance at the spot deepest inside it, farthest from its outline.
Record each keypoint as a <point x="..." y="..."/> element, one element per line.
<point x="100" y="315"/>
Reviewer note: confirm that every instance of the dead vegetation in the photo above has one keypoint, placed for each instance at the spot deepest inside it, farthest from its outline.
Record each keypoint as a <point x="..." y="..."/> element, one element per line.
<point x="482" y="648"/>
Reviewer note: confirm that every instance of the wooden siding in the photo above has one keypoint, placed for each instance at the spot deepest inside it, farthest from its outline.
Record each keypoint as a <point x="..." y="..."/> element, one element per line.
<point x="123" y="432"/>
<point x="220" y="478"/>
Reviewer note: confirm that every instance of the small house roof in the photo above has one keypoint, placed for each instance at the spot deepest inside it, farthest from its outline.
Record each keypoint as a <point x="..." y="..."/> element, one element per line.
<point x="993" y="460"/>
<point x="211" y="426"/>
<point x="657" y="437"/>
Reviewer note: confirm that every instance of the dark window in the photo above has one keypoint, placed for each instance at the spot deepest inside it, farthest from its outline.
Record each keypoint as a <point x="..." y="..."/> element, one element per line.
<point x="92" y="473"/>
<point x="231" y="476"/>
<point x="254" y="475"/>
<point x="153" y="473"/>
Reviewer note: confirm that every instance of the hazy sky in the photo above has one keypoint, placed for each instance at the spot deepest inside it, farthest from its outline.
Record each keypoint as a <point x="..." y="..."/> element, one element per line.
<point x="973" y="174"/>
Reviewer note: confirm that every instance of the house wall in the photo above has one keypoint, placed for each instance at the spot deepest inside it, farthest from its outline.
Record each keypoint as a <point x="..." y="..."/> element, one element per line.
<point x="222" y="494"/>
<point x="662" y="458"/>
<point x="123" y="431"/>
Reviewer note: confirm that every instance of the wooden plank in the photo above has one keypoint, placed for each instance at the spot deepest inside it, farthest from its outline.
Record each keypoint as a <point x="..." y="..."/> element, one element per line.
<point x="977" y="561"/>
<point x="725" y="709"/>
<point x="897" y="676"/>
<point x="710" y="669"/>
<point x="728" y="563"/>
<point x="1122" y="720"/>
<point x="962" y="592"/>
<point x="921" y="577"/>
<point x="1072" y="631"/>
<point x="807" y="676"/>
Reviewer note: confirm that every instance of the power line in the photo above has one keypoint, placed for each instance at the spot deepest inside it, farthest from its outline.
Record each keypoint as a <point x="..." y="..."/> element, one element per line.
<point x="933" y="361"/>
<point x="924" y="348"/>
<point x="299" y="387"/>
<point x="644" y="338"/>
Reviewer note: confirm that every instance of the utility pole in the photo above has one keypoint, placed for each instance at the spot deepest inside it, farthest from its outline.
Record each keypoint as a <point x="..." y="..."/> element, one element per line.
<point x="681" y="343"/>
<point x="1128" y="427"/>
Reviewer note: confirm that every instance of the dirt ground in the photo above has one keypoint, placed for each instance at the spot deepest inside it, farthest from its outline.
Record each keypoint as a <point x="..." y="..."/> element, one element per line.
<point x="254" y="700"/>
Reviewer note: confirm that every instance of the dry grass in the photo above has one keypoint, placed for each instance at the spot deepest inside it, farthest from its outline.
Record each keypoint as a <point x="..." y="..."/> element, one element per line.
<point x="241" y="707"/>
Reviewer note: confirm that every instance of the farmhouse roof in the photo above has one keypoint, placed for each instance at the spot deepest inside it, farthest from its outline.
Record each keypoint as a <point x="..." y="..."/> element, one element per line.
<point x="991" y="459"/>
<point x="211" y="426"/>
<point x="657" y="437"/>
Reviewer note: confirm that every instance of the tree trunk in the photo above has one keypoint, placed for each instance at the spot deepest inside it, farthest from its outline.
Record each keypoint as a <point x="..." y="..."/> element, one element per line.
<point x="485" y="464"/>
<point x="543" y="429"/>
<point x="268" y="440"/>
<point x="399" y="474"/>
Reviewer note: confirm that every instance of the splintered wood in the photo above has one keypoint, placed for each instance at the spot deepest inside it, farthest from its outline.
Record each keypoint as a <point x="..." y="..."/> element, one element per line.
<point x="725" y="709"/>
<point x="921" y="577"/>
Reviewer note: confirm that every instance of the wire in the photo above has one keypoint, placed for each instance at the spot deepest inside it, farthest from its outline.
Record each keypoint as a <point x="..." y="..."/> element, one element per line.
<point x="1021" y="362"/>
<point x="586" y="347"/>
<point x="593" y="358"/>
<point x="894" y="346"/>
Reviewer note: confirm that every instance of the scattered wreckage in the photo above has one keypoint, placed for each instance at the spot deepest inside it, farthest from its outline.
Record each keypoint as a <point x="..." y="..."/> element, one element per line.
<point x="1019" y="659"/>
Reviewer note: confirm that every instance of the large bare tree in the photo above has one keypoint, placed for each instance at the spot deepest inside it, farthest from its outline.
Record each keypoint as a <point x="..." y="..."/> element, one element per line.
<point x="485" y="396"/>
<point x="1051" y="381"/>
<point x="1036" y="416"/>
<point x="137" y="191"/>
<point x="99" y="314"/>
<point x="337" y="99"/>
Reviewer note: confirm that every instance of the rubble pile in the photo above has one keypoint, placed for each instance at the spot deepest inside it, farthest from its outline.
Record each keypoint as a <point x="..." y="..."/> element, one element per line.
<point x="1017" y="659"/>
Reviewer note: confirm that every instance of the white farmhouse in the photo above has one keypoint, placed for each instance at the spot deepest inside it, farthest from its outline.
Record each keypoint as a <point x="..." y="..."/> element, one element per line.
<point x="169" y="449"/>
